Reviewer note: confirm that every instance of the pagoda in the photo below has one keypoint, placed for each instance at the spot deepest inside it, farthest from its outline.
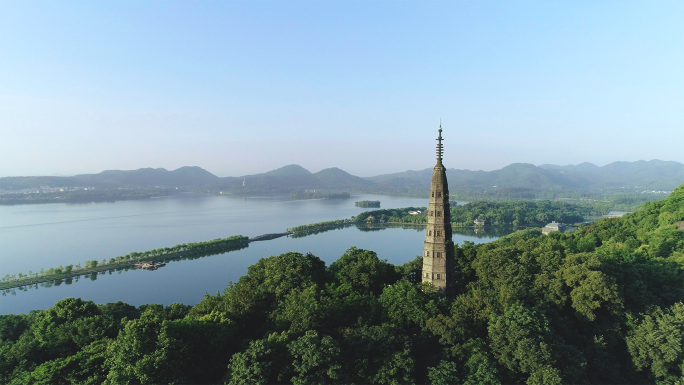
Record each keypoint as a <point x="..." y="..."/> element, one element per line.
<point x="438" y="249"/>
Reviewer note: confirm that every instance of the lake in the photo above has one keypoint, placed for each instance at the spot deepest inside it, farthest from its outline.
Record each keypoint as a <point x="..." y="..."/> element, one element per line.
<point x="34" y="237"/>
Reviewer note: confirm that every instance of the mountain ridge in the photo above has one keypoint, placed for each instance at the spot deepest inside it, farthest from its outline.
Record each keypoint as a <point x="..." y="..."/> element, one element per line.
<point x="653" y="175"/>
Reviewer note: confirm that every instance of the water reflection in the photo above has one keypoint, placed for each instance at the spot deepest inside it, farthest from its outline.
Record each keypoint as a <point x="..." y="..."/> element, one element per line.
<point x="477" y="232"/>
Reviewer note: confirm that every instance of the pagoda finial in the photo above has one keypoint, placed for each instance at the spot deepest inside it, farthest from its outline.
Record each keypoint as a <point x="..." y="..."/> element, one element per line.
<point x="440" y="149"/>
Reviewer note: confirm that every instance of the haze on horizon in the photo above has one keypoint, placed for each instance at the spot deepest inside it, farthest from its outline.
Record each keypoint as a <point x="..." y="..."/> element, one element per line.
<point x="245" y="87"/>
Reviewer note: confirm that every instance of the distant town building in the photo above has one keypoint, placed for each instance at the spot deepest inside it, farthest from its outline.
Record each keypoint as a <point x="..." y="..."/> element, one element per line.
<point x="438" y="248"/>
<point x="479" y="222"/>
<point x="417" y="212"/>
<point x="556" y="227"/>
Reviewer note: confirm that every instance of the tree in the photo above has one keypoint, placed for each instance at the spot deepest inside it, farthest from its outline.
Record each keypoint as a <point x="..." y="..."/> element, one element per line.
<point x="300" y="310"/>
<point x="657" y="343"/>
<point x="446" y="373"/>
<point x="520" y="339"/>
<point x="376" y="354"/>
<point x="265" y="361"/>
<point x="316" y="360"/>
<point x="363" y="271"/>
<point x="409" y="305"/>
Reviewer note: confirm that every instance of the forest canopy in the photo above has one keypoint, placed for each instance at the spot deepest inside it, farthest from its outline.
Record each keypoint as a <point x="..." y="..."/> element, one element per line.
<point x="601" y="304"/>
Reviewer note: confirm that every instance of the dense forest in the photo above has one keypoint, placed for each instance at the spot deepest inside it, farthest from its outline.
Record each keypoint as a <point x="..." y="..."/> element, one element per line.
<point x="602" y="304"/>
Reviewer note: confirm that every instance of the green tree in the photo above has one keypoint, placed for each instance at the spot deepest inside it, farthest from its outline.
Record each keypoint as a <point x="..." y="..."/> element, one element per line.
<point x="657" y="343"/>
<point x="520" y="339"/>
<point x="315" y="359"/>
<point x="265" y="361"/>
<point x="363" y="271"/>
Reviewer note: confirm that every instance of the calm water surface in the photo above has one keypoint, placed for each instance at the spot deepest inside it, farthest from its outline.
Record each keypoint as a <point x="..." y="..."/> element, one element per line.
<point x="43" y="236"/>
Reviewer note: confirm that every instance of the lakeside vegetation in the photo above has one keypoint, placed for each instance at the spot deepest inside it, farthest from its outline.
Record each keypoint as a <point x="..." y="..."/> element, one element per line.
<point x="182" y="251"/>
<point x="599" y="305"/>
<point x="367" y="204"/>
<point x="501" y="214"/>
<point x="512" y="213"/>
<point x="317" y="228"/>
<point x="476" y="232"/>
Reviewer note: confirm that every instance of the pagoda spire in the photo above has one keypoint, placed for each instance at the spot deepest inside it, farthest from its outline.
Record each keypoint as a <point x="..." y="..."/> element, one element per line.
<point x="440" y="148"/>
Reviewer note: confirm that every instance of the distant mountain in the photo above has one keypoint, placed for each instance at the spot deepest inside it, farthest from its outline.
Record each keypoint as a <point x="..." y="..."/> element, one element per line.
<point x="334" y="178"/>
<point x="512" y="176"/>
<point x="518" y="179"/>
<point x="294" y="177"/>
<point x="289" y="170"/>
<point x="144" y="177"/>
<point x="647" y="175"/>
<point x="652" y="174"/>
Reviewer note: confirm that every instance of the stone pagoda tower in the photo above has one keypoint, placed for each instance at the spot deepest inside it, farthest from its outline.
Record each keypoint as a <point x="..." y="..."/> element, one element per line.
<point x="438" y="249"/>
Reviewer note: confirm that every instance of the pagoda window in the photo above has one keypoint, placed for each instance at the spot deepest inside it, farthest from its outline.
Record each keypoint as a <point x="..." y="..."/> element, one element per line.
<point x="430" y="233"/>
<point x="432" y="213"/>
<point x="439" y="194"/>
<point x="433" y="194"/>
<point x="439" y="254"/>
<point x="438" y="233"/>
<point x="439" y="213"/>
<point x="437" y="276"/>
<point x="427" y="253"/>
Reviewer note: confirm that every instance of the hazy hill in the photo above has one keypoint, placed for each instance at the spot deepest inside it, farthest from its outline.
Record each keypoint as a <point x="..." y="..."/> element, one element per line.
<point x="289" y="170"/>
<point x="655" y="175"/>
<point x="652" y="174"/>
<point x="144" y="177"/>
<point x="334" y="178"/>
<point x="517" y="177"/>
<point x="294" y="177"/>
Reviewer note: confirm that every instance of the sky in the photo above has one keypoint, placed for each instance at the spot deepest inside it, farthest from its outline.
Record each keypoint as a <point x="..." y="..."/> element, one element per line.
<point x="242" y="87"/>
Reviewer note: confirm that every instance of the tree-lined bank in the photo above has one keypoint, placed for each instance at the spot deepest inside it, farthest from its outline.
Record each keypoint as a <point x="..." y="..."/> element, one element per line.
<point x="185" y="250"/>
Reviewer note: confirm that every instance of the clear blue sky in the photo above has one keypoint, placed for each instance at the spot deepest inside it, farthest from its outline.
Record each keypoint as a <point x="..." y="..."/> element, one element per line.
<point x="247" y="86"/>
